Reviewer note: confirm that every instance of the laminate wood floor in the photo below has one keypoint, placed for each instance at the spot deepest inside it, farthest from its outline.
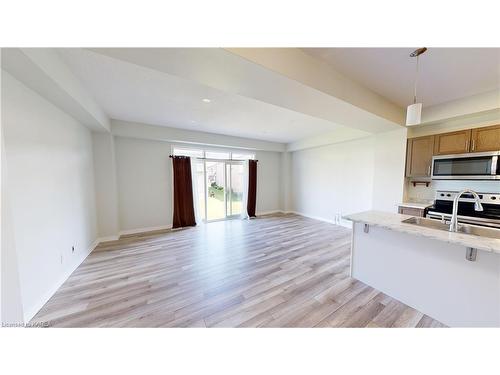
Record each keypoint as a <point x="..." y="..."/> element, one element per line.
<point x="274" y="271"/>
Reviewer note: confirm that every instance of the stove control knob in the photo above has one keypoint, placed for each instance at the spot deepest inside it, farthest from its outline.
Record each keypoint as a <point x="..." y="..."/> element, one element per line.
<point x="493" y="198"/>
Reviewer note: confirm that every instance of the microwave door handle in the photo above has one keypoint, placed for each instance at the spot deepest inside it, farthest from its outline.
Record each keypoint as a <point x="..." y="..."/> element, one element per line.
<point x="494" y="163"/>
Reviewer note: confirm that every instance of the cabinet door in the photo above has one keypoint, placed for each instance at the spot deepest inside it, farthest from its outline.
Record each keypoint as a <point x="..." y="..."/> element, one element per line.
<point x="452" y="143"/>
<point x="419" y="156"/>
<point x="486" y="139"/>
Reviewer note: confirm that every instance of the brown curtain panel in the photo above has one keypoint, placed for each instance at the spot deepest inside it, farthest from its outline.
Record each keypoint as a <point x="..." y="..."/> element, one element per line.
<point x="252" y="187"/>
<point x="183" y="193"/>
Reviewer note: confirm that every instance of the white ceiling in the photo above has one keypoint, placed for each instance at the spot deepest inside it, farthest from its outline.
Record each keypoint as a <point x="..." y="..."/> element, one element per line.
<point x="166" y="87"/>
<point x="135" y="93"/>
<point x="445" y="73"/>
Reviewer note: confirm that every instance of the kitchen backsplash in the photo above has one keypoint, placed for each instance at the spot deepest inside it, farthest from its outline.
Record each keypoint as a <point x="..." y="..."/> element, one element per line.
<point x="423" y="193"/>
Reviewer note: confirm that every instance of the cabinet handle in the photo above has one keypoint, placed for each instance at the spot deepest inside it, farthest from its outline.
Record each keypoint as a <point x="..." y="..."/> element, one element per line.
<point x="467" y="145"/>
<point x="429" y="170"/>
<point x="473" y="146"/>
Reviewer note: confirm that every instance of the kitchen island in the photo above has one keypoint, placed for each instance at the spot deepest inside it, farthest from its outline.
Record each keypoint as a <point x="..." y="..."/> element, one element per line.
<point x="452" y="277"/>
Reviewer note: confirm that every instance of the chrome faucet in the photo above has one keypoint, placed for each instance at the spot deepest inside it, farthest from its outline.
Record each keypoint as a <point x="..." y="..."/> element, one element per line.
<point x="454" y="217"/>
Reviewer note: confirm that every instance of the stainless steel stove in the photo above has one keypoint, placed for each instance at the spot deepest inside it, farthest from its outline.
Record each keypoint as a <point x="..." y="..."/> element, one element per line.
<point x="443" y="207"/>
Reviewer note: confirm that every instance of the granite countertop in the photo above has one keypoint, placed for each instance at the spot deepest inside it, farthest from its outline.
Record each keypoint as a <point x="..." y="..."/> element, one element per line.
<point x="393" y="221"/>
<point x="419" y="205"/>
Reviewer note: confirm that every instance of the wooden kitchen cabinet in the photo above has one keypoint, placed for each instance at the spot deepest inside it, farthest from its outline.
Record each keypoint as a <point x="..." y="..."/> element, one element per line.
<point x="452" y="143"/>
<point x="485" y="139"/>
<point x="419" y="153"/>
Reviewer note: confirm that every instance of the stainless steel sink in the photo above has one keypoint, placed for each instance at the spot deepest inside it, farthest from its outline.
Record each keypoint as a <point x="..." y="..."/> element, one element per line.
<point x="479" y="231"/>
<point x="428" y="223"/>
<point x="462" y="228"/>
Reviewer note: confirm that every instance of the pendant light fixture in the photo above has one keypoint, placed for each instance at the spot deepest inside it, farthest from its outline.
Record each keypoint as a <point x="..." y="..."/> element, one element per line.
<point x="414" y="111"/>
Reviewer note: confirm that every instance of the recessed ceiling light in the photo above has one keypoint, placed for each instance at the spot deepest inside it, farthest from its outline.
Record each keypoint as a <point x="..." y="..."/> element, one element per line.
<point x="206" y="100"/>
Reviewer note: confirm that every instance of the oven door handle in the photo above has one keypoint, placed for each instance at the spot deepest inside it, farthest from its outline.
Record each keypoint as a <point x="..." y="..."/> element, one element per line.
<point x="494" y="163"/>
<point x="465" y="219"/>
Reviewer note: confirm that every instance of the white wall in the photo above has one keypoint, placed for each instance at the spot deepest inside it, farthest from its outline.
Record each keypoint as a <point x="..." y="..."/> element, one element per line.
<point x="286" y="181"/>
<point x="343" y="178"/>
<point x="144" y="180"/>
<point x="106" y="190"/>
<point x="269" y="184"/>
<point x="11" y="303"/>
<point x="51" y="185"/>
<point x="389" y="169"/>
<point x="333" y="180"/>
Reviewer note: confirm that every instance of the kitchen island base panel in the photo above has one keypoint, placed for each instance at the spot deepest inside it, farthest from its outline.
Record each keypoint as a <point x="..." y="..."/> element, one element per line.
<point x="429" y="275"/>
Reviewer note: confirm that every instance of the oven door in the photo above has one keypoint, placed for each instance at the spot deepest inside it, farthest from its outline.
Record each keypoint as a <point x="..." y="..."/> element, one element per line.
<point x="446" y="218"/>
<point x="477" y="166"/>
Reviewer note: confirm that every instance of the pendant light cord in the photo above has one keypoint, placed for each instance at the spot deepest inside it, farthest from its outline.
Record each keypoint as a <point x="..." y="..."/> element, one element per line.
<point x="415" y="88"/>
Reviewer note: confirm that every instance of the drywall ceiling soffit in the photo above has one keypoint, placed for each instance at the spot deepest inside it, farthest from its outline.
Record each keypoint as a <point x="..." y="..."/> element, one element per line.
<point x="44" y="72"/>
<point x="234" y="74"/>
<point x="445" y="74"/>
<point x="130" y="92"/>
<point x="136" y="130"/>
<point x="318" y="74"/>
<point x="475" y="105"/>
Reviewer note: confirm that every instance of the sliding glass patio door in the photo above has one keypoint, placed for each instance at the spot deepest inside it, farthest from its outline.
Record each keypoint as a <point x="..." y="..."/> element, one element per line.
<point x="234" y="178"/>
<point x="222" y="189"/>
<point x="218" y="179"/>
<point x="215" y="176"/>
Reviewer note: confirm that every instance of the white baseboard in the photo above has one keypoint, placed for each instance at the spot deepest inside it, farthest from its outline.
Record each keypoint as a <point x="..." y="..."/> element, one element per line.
<point x="313" y="217"/>
<point x="144" y="230"/>
<point x="269" y="212"/>
<point x="132" y="231"/>
<point x="30" y="312"/>
<point x="163" y="227"/>
<point x="342" y="222"/>
<point x="108" y="238"/>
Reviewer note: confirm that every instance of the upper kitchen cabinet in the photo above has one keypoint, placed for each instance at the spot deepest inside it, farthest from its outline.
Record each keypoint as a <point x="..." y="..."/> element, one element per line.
<point x="419" y="153"/>
<point x="485" y="139"/>
<point x="452" y="143"/>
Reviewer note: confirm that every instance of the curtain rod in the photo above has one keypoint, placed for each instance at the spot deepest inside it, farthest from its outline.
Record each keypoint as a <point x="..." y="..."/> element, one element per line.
<point x="171" y="156"/>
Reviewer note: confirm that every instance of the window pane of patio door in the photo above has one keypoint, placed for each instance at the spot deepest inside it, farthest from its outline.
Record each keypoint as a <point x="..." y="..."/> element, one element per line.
<point x="216" y="190"/>
<point x="234" y="178"/>
<point x="200" y="189"/>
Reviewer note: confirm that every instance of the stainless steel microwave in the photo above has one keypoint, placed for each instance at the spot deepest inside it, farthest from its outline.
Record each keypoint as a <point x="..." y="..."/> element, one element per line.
<point x="471" y="166"/>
